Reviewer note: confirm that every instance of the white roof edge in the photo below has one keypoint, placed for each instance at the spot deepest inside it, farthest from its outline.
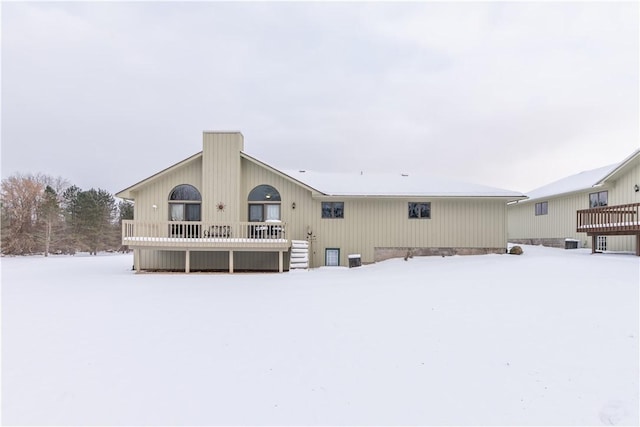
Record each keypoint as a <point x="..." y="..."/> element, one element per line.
<point x="621" y="166"/>
<point x="154" y="176"/>
<point x="279" y="172"/>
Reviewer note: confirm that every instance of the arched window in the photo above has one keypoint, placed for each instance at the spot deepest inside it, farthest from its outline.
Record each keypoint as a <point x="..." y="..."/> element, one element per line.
<point x="184" y="203"/>
<point x="264" y="204"/>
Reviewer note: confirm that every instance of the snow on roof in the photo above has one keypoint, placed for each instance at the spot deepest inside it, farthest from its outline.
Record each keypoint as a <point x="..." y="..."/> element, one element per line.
<point x="387" y="184"/>
<point x="581" y="181"/>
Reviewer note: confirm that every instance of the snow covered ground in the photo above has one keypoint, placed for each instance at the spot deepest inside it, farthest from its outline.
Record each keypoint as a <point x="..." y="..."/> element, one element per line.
<point x="546" y="338"/>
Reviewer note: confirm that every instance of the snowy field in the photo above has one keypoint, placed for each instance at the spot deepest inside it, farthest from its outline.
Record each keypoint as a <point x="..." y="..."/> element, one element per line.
<point x="546" y="338"/>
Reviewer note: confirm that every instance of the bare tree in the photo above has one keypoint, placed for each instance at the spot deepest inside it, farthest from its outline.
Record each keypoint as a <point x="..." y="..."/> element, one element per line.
<point x="28" y="212"/>
<point x="20" y="196"/>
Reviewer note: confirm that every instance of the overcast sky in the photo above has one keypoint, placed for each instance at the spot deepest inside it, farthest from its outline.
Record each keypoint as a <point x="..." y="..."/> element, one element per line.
<point x="508" y="94"/>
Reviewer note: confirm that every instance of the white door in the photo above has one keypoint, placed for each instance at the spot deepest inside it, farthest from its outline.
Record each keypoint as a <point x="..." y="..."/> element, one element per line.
<point x="332" y="257"/>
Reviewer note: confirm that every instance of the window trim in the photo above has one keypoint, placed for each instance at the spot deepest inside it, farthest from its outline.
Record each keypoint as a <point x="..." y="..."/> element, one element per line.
<point x="419" y="210"/>
<point x="326" y="250"/>
<point x="332" y="210"/>
<point x="542" y="208"/>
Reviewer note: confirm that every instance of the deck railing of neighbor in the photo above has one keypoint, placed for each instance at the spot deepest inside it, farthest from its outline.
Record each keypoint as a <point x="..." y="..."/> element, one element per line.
<point x="610" y="221"/>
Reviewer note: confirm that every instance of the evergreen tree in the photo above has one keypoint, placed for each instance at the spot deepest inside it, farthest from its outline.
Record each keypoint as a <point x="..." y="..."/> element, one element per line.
<point x="125" y="208"/>
<point x="71" y="239"/>
<point x="95" y="211"/>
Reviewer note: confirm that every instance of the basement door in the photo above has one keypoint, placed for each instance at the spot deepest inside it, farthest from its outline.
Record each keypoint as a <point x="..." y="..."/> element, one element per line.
<point x="332" y="257"/>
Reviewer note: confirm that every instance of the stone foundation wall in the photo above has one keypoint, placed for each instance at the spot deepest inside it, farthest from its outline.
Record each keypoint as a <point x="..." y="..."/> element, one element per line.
<point x="550" y="242"/>
<point x="381" y="254"/>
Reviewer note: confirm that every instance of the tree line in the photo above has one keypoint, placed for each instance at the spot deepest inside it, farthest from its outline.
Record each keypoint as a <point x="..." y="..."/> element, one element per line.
<point x="41" y="214"/>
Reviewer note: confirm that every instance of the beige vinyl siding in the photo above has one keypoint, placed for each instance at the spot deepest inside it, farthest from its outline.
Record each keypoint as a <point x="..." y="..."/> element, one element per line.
<point x="373" y="222"/>
<point x="623" y="192"/>
<point x="560" y="222"/>
<point x="157" y="191"/>
<point x="384" y="223"/>
<point x="221" y="176"/>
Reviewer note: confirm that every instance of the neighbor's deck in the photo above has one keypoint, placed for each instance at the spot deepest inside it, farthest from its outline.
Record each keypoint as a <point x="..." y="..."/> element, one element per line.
<point x="617" y="220"/>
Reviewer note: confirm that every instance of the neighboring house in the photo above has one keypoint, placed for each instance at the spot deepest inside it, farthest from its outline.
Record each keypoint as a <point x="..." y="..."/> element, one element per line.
<point x="223" y="210"/>
<point x="599" y="208"/>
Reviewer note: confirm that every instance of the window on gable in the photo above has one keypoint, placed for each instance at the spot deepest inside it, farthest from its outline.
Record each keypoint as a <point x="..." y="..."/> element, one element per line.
<point x="184" y="205"/>
<point x="332" y="209"/>
<point x="598" y="199"/>
<point x="264" y="204"/>
<point x="542" y="208"/>
<point x="420" y="210"/>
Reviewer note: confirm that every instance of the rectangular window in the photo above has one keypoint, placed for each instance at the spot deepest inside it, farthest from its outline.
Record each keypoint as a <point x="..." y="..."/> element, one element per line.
<point x="420" y="210"/>
<point x="332" y="209"/>
<point x="256" y="213"/>
<point x="273" y="212"/>
<point x="192" y="211"/>
<point x="598" y="199"/>
<point x="260" y="212"/>
<point x="332" y="257"/>
<point x="176" y="212"/>
<point x="542" y="208"/>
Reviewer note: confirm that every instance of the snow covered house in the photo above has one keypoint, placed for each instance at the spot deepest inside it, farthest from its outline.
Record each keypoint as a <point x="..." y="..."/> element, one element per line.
<point x="599" y="209"/>
<point x="223" y="210"/>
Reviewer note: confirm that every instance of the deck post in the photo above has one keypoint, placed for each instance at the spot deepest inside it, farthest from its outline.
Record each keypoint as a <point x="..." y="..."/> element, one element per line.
<point x="594" y="242"/>
<point x="230" y="261"/>
<point x="280" y="263"/>
<point x="136" y="260"/>
<point x="637" y="244"/>
<point x="187" y="264"/>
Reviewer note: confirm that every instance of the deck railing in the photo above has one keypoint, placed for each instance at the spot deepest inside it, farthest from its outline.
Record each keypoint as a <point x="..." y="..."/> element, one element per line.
<point x="202" y="234"/>
<point x="617" y="219"/>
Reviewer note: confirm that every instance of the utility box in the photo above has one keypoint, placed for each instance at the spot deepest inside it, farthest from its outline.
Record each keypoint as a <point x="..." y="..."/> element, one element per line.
<point x="571" y="243"/>
<point x="355" y="260"/>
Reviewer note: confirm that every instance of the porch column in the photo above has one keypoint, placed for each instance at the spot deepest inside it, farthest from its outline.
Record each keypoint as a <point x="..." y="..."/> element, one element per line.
<point x="230" y="261"/>
<point x="187" y="266"/>
<point x="280" y="263"/>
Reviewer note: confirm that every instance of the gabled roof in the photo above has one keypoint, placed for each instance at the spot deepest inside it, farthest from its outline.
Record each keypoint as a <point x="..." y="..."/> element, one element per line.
<point x="359" y="184"/>
<point x="394" y="185"/>
<point x="622" y="166"/>
<point x="582" y="181"/>
<point x="126" y="193"/>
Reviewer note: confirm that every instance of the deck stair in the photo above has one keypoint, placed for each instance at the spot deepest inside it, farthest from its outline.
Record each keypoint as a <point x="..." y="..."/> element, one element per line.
<point x="299" y="254"/>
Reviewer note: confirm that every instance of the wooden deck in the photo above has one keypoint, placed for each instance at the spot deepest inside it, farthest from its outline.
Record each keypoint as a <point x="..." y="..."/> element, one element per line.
<point x="617" y="220"/>
<point x="203" y="236"/>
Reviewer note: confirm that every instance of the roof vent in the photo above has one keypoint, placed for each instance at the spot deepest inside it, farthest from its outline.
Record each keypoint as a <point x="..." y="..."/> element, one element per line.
<point x="301" y="171"/>
<point x="404" y="174"/>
